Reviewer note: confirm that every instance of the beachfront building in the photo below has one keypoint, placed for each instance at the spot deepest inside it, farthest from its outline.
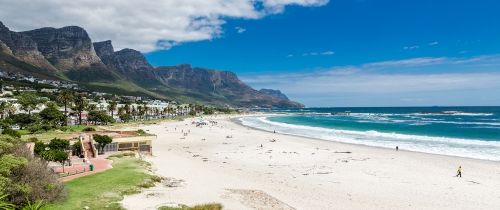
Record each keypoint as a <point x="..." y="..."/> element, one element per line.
<point x="130" y="141"/>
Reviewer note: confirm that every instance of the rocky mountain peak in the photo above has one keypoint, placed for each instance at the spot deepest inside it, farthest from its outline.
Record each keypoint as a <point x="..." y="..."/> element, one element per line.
<point x="131" y="59"/>
<point x="274" y="93"/>
<point x="66" y="48"/>
<point x="104" y="48"/>
<point x="68" y="54"/>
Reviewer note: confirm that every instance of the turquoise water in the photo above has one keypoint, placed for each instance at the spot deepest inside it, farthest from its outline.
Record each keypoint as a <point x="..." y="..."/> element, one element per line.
<point x="460" y="131"/>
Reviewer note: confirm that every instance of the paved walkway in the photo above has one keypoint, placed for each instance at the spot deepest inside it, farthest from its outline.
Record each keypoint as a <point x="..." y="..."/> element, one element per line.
<point x="100" y="164"/>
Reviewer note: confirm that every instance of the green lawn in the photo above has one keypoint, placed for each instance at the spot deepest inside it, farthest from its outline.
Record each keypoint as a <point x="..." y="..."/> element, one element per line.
<point x="104" y="190"/>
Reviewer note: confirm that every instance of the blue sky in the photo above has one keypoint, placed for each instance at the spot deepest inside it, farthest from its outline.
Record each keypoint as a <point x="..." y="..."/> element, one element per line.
<point x="283" y="50"/>
<point x="356" y="31"/>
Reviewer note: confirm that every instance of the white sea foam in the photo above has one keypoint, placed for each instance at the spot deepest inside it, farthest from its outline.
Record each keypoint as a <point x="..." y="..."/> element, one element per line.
<point x="489" y="150"/>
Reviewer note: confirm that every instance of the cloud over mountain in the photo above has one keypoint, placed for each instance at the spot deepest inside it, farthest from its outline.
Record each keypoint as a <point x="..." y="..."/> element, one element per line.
<point x="142" y="25"/>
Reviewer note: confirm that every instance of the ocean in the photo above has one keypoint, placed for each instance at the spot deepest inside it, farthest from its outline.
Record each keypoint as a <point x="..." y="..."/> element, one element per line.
<point x="472" y="132"/>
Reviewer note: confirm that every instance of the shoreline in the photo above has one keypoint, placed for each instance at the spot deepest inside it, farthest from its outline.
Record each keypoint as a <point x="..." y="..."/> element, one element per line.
<point x="297" y="173"/>
<point x="236" y="121"/>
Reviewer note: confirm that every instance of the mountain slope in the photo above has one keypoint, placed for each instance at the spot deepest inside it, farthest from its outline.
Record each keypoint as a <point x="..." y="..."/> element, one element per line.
<point x="68" y="54"/>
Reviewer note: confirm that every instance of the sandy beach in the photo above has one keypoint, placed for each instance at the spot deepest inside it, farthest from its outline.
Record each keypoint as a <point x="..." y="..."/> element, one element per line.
<point x="226" y="163"/>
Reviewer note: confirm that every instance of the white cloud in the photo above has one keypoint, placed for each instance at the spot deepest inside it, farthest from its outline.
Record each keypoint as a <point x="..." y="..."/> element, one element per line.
<point x="316" y="53"/>
<point x="433" y="43"/>
<point x="240" y="30"/>
<point x="460" y="81"/>
<point x="408" y="62"/>
<point x="328" y="53"/>
<point x="414" y="47"/>
<point x="141" y="24"/>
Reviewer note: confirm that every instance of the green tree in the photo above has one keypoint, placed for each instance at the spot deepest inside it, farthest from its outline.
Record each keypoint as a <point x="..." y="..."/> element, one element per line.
<point x="112" y="107"/>
<point x="80" y="106"/>
<point x="53" y="116"/>
<point x="102" y="141"/>
<point x="28" y="101"/>
<point x="77" y="148"/>
<point x="125" y="117"/>
<point x="99" y="117"/>
<point x="59" y="156"/>
<point x="65" y="97"/>
<point x="23" y="119"/>
<point x="58" y="144"/>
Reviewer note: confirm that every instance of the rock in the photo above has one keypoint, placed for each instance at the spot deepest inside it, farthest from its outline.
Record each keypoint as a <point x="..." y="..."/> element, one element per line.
<point x="67" y="48"/>
<point x="23" y="47"/>
<point x="274" y="93"/>
<point x="104" y="49"/>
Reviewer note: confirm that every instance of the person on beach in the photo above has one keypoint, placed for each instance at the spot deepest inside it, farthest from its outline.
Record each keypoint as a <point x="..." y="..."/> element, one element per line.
<point x="397" y="148"/>
<point x="459" y="171"/>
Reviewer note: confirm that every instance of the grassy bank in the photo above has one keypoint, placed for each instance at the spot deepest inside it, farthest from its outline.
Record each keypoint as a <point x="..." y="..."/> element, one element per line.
<point x="104" y="190"/>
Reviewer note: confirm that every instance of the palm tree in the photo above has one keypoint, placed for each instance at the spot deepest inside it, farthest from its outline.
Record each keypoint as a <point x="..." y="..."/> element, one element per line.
<point x="65" y="97"/>
<point x="166" y="111"/>
<point x="134" y="112"/>
<point x="92" y="107"/>
<point x="112" y="107"/>
<point x="121" y="110"/>
<point x="140" y="111"/>
<point x="80" y="106"/>
<point x="146" y="110"/>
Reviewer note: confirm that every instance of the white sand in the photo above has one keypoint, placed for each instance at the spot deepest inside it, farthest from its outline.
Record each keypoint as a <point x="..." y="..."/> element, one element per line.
<point x="301" y="173"/>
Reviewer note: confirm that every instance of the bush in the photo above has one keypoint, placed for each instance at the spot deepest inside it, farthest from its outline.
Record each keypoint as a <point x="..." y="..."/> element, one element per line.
<point x="77" y="148"/>
<point x="88" y="129"/>
<point x="141" y="132"/>
<point x="58" y="144"/>
<point x="30" y="181"/>
<point x="39" y="147"/>
<point x="12" y="133"/>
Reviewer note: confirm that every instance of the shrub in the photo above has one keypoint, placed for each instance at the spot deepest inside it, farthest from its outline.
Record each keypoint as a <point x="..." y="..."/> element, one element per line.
<point x="39" y="147"/>
<point x="12" y="133"/>
<point x="77" y="148"/>
<point x="59" y="144"/>
<point x="88" y="129"/>
<point x="32" y="180"/>
<point x="141" y="132"/>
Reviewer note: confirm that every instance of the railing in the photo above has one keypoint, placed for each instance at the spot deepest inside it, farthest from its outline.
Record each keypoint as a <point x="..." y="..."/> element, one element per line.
<point x="66" y="174"/>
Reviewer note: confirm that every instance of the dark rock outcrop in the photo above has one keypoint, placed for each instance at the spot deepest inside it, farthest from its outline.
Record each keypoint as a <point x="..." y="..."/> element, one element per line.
<point x="221" y="85"/>
<point x="67" y="48"/>
<point x="23" y="47"/>
<point x="274" y="93"/>
<point x="104" y="49"/>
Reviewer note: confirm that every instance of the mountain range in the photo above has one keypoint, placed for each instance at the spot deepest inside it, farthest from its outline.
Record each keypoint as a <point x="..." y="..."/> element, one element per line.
<point x="69" y="54"/>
